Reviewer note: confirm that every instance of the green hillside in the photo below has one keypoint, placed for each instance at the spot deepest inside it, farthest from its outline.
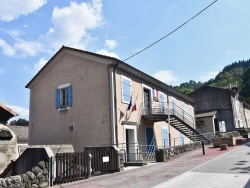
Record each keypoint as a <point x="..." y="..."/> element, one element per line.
<point x="237" y="74"/>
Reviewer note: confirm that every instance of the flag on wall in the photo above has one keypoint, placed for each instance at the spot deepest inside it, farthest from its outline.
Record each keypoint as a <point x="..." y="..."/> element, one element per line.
<point x="130" y="103"/>
<point x="134" y="107"/>
<point x="121" y="114"/>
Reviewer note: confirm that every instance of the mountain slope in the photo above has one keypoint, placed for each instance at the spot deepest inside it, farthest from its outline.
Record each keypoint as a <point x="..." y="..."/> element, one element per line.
<point x="233" y="74"/>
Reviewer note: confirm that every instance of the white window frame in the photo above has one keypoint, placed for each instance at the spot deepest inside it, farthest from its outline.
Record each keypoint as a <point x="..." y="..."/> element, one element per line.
<point x="191" y="110"/>
<point x="164" y="97"/>
<point x="125" y="78"/>
<point x="173" y="102"/>
<point x="166" y="128"/>
<point x="183" y="105"/>
<point x="150" y="90"/>
<point x="64" y="87"/>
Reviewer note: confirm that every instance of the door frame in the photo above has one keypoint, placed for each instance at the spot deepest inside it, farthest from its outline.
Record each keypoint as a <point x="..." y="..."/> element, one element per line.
<point x="131" y="156"/>
<point x="150" y="95"/>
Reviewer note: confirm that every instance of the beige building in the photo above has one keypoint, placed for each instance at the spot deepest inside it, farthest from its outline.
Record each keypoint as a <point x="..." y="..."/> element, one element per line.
<point x="86" y="99"/>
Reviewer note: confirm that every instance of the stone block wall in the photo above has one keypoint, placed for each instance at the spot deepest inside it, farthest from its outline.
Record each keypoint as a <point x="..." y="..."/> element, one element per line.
<point x="8" y="147"/>
<point x="37" y="177"/>
<point x="172" y="151"/>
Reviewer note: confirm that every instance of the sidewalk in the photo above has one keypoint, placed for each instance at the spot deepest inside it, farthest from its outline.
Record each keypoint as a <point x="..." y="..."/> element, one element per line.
<point x="154" y="174"/>
<point x="230" y="170"/>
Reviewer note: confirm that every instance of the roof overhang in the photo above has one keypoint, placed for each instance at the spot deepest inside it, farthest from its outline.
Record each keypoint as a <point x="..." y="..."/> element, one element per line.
<point x="149" y="80"/>
<point x="206" y="114"/>
<point x="6" y="113"/>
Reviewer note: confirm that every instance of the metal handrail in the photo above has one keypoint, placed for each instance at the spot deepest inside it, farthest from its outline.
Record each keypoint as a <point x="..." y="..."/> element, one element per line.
<point x="163" y="107"/>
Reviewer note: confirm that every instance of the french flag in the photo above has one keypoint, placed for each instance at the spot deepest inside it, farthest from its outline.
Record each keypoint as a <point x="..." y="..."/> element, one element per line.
<point x="134" y="107"/>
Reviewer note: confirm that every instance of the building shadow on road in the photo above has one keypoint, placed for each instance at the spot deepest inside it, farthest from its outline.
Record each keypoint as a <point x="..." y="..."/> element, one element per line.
<point x="248" y="184"/>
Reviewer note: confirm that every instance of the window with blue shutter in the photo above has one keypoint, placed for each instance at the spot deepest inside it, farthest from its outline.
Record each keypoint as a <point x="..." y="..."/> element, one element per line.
<point x="63" y="97"/>
<point x="70" y="101"/>
<point x="181" y="139"/>
<point x="162" y="100"/>
<point x="57" y="99"/>
<point x="183" y="109"/>
<point x="126" y="89"/>
<point x="165" y="137"/>
<point x="174" y="105"/>
<point x="191" y="112"/>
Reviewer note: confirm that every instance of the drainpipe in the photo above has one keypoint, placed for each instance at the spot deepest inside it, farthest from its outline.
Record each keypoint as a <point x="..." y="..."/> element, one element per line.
<point x="115" y="102"/>
<point x="169" y="134"/>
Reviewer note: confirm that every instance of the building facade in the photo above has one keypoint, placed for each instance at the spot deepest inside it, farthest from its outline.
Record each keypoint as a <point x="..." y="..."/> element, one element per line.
<point x="86" y="99"/>
<point x="220" y="109"/>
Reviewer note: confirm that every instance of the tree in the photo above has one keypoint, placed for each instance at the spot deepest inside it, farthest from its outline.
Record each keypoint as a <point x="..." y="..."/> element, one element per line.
<point x="20" y="122"/>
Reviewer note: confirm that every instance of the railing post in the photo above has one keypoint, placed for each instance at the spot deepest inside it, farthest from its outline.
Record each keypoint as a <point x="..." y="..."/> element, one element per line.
<point x="203" y="147"/>
<point x="89" y="166"/>
<point x="52" y="170"/>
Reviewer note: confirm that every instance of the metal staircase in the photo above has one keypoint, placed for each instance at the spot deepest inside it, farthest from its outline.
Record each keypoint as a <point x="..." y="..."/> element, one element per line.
<point x="177" y="118"/>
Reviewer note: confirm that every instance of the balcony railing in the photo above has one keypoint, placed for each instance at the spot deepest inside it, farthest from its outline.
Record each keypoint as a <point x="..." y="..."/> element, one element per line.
<point x="162" y="108"/>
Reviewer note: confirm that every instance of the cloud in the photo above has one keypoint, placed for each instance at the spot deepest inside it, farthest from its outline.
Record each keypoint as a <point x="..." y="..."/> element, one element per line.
<point x="110" y="44"/>
<point x="166" y="76"/>
<point x="21" y="48"/>
<point x="71" y="27"/>
<point x="105" y="52"/>
<point x="27" y="48"/>
<point x="23" y="112"/>
<point x="231" y="52"/>
<point x="13" y="9"/>
<point x="14" y="33"/>
<point x="72" y="24"/>
<point x="37" y="67"/>
<point x="7" y="49"/>
<point x="20" y="110"/>
<point x="207" y="76"/>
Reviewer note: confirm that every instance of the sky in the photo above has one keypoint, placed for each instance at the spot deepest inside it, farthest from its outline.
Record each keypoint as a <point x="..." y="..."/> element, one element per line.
<point x="32" y="31"/>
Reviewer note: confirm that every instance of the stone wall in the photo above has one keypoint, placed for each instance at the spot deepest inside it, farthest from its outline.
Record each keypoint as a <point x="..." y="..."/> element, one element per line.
<point x="37" y="177"/>
<point x="174" y="150"/>
<point x="8" y="147"/>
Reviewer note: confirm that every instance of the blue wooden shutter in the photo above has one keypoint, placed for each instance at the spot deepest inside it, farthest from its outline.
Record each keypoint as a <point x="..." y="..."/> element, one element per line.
<point x="165" y="137"/>
<point x="57" y="98"/>
<point x="126" y="89"/>
<point x="70" y="99"/>
<point x="181" y="138"/>
<point x="161" y="100"/>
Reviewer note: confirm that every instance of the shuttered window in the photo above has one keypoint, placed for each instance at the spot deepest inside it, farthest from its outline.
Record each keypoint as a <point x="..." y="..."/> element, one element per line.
<point x="63" y="96"/>
<point x="162" y="100"/>
<point x="126" y="89"/>
<point x="181" y="139"/>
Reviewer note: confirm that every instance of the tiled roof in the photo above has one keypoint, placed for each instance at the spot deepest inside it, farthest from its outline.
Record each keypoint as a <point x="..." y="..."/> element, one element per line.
<point x="206" y="114"/>
<point x="22" y="132"/>
<point x="122" y="65"/>
<point x="6" y="113"/>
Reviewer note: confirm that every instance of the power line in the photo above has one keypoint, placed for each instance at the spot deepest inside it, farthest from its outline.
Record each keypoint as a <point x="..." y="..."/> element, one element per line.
<point x="170" y="32"/>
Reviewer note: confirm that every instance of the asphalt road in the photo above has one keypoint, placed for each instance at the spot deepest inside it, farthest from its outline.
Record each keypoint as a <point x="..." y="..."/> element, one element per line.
<point x="230" y="170"/>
